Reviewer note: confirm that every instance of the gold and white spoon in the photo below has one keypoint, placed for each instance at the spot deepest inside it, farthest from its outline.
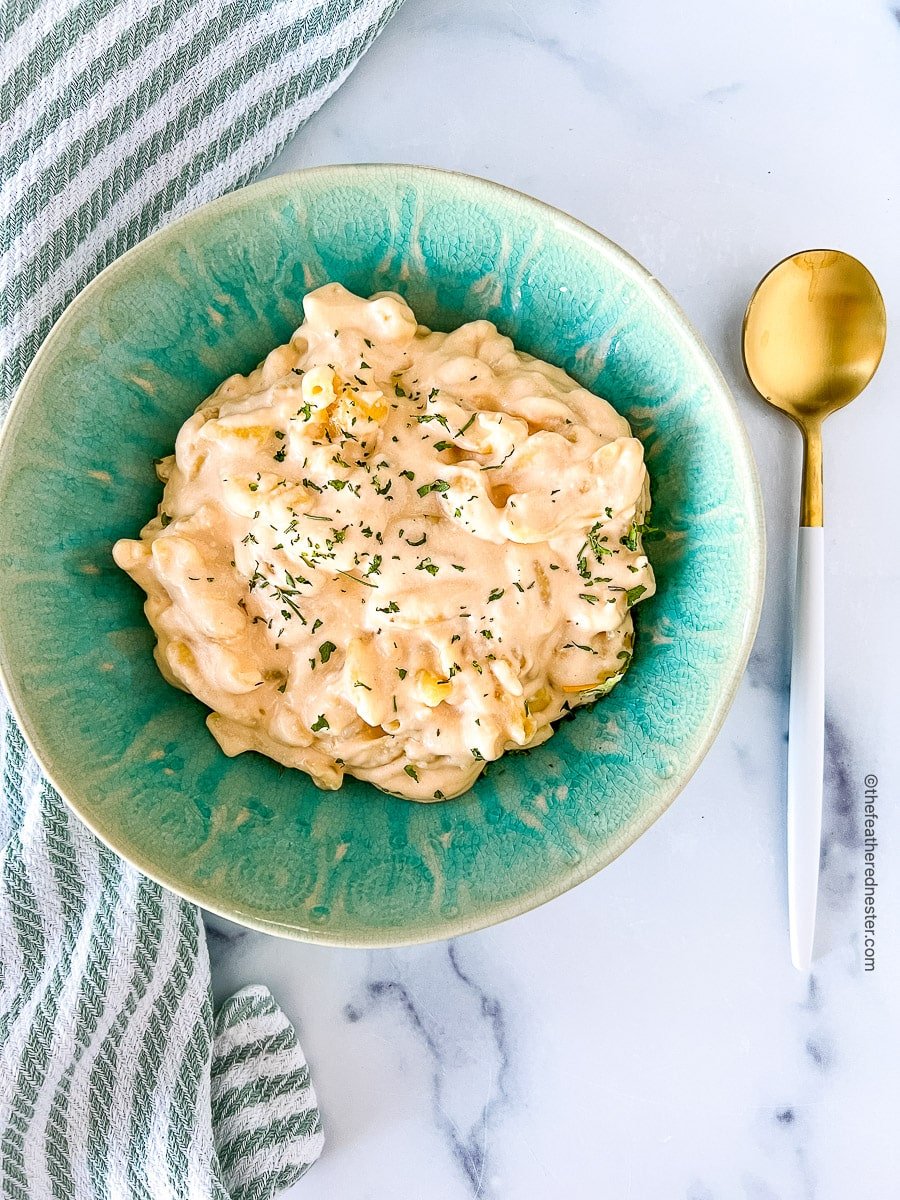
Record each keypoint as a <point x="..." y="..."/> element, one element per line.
<point x="814" y="334"/>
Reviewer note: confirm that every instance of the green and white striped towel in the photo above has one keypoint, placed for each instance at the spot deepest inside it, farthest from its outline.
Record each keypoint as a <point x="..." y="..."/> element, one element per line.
<point x="116" y="1079"/>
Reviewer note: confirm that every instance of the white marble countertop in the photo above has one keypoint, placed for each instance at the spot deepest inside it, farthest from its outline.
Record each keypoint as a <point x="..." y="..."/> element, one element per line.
<point x="645" y="1035"/>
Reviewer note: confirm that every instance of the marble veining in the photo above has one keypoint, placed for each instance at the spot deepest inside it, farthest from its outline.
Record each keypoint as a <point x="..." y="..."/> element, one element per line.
<point x="469" y="1080"/>
<point x="644" y="1037"/>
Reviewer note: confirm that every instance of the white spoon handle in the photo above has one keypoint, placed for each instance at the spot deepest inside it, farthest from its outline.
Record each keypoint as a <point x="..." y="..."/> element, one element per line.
<point x="806" y="744"/>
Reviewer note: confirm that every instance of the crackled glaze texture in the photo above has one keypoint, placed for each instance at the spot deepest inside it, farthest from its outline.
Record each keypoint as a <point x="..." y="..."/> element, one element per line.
<point x="109" y="390"/>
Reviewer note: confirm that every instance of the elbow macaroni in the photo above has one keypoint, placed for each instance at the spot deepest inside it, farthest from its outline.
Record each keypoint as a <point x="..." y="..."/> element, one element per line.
<point x="395" y="553"/>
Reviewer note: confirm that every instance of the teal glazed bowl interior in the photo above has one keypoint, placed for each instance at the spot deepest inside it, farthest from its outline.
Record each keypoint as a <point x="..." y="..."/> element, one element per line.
<point x="107" y="393"/>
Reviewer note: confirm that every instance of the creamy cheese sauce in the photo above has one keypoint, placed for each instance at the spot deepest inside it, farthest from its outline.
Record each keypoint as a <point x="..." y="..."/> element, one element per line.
<point x="395" y="553"/>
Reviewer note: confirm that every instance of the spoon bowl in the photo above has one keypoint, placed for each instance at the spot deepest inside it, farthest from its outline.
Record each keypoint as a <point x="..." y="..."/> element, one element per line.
<point x="814" y="333"/>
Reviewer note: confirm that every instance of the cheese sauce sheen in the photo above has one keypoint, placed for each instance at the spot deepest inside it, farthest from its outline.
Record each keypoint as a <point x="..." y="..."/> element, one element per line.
<point x="395" y="553"/>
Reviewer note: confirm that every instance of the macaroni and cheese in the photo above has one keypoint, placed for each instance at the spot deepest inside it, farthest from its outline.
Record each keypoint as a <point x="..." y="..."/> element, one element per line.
<point x="395" y="553"/>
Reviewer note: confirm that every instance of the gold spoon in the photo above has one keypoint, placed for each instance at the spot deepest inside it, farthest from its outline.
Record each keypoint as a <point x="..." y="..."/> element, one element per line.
<point x="814" y="334"/>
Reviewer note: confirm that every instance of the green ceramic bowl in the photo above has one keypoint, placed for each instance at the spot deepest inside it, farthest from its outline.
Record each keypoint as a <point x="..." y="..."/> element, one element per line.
<point x="210" y="295"/>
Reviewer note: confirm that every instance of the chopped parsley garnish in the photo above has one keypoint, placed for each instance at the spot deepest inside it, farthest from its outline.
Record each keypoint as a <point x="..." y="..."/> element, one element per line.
<point x="497" y="466"/>
<point x="427" y="565"/>
<point x="634" y="594"/>
<point x="411" y="772"/>
<point x="579" y="646"/>
<point x="439" y="485"/>
<point x="326" y="650"/>
<point x="355" y="578"/>
<point x="424" y="418"/>
<point x="321" y="722"/>
<point x="596" y="544"/>
<point x="632" y="538"/>
<point x="495" y="594"/>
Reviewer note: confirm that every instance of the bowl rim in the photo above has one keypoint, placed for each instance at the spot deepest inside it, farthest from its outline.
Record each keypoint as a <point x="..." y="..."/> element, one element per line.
<point x="592" y="862"/>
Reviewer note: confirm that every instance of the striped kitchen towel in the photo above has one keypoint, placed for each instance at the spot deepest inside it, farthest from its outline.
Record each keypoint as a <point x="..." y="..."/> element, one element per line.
<point x="117" y="1081"/>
